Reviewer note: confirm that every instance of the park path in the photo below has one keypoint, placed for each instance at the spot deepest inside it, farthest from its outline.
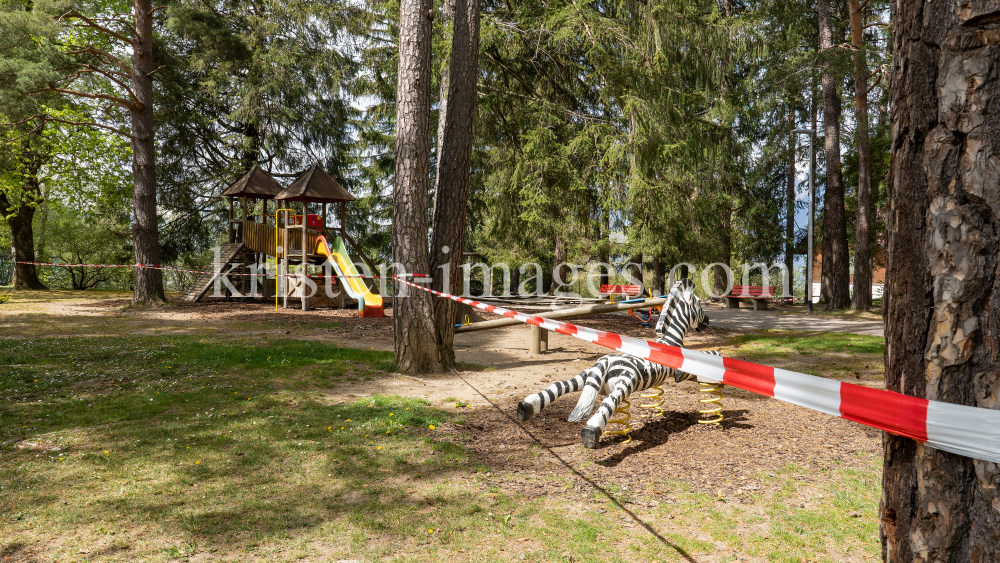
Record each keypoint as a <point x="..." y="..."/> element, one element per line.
<point x="748" y="319"/>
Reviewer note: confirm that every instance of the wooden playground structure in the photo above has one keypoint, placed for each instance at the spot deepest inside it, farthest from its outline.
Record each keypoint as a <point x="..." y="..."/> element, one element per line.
<point x="296" y="240"/>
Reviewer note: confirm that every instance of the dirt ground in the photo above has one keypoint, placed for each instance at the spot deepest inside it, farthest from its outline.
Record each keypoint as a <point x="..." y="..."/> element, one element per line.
<point x="760" y="439"/>
<point x="760" y="436"/>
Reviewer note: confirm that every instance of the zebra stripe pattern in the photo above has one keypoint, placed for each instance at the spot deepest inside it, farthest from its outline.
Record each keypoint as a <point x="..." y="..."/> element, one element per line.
<point x="618" y="376"/>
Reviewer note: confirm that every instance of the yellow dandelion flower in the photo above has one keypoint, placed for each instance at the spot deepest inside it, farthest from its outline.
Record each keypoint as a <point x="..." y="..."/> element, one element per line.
<point x="106" y="451"/>
<point x="197" y="463"/>
<point x="431" y="427"/>
<point x="379" y="448"/>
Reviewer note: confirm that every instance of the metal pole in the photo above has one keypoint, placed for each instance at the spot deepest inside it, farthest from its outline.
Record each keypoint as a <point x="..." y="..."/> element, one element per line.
<point x="812" y="211"/>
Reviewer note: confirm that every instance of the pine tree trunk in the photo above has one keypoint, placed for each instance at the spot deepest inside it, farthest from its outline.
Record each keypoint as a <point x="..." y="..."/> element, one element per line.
<point x="605" y="252"/>
<point x="862" y="298"/>
<point x="447" y="24"/>
<point x="145" y="235"/>
<point x="453" y="167"/>
<point x="559" y="270"/>
<point x="943" y="287"/>
<point x="790" y="205"/>
<point x="635" y="268"/>
<point x="657" y="275"/>
<point x="835" y="267"/>
<point x="23" y="241"/>
<point x="413" y="315"/>
<point x="721" y="278"/>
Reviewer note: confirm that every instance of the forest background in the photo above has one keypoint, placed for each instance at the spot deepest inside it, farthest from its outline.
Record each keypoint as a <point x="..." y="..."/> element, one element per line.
<point x="624" y="132"/>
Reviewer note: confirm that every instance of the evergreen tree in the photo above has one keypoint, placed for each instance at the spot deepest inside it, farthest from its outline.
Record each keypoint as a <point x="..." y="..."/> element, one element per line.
<point x="451" y="193"/>
<point x="413" y="313"/>
<point x="943" y="260"/>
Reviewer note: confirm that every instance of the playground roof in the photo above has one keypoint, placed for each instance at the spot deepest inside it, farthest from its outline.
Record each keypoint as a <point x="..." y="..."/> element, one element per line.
<point x="256" y="183"/>
<point x="316" y="186"/>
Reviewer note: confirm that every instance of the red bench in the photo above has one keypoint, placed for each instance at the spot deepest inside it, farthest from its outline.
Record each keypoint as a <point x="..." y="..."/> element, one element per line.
<point x="625" y="290"/>
<point x="759" y="293"/>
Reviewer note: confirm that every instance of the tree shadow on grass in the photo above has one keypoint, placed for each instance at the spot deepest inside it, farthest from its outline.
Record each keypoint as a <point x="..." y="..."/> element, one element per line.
<point x="17" y="551"/>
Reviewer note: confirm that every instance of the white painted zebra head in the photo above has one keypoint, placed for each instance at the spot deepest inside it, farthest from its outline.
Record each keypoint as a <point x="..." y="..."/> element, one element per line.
<point x="681" y="312"/>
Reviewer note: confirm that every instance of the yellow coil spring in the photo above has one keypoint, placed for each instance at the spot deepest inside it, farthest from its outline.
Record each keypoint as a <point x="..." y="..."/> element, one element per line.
<point x="658" y="395"/>
<point x="622" y="409"/>
<point x="712" y="413"/>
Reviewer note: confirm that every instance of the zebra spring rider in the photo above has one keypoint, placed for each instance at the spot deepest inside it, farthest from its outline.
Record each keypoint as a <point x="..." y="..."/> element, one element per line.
<point x="618" y="376"/>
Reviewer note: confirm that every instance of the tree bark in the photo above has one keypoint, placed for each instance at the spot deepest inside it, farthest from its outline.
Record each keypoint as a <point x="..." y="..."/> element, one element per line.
<point x="834" y="267"/>
<point x="22" y="213"/>
<point x="605" y="252"/>
<point x="559" y="269"/>
<point x="635" y="268"/>
<point x="23" y="241"/>
<point x="657" y="276"/>
<point x="862" y="298"/>
<point x="413" y="316"/>
<point x="721" y="278"/>
<point x="943" y="288"/>
<point x="447" y="23"/>
<point x="145" y="230"/>
<point x="790" y="204"/>
<point x="453" y="167"/>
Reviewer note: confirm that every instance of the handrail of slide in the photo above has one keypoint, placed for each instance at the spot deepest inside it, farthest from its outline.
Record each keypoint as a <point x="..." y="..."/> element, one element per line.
<point x="369" y="304"/>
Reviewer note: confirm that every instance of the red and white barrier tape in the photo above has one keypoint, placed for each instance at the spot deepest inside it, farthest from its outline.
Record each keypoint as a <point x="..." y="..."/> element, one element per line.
<point x="174" y="269"/>
<point x="963" y="430"/>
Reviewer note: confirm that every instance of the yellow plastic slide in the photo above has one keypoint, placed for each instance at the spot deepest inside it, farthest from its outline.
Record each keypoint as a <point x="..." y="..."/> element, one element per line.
<point x="369" y="304"/>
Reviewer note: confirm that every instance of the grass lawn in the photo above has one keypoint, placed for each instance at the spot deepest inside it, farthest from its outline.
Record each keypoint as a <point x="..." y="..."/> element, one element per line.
<point x="819" y="309"/>
<point x="200" y="447"/>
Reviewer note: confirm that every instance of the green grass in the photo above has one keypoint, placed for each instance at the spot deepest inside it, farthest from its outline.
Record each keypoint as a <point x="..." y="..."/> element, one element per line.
<point x="819" y="309"/>
<point x="789" y="532"/>
<point x="782" y="342"/>
<point x="160" y="447"/>
<point x="835" y="355"/>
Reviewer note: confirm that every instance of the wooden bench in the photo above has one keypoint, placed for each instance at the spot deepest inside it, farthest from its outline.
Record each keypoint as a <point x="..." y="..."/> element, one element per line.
<point x="759" y="293"/>
<point x="623" y="290"/>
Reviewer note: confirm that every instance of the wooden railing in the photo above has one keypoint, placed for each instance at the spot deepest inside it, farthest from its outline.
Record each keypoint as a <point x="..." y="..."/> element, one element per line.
<point x="259" y="237"/>
<point x="265" y="238"/>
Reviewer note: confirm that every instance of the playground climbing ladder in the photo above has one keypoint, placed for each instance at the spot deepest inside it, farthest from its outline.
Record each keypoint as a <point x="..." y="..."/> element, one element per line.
<point x="227" y="254"/>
